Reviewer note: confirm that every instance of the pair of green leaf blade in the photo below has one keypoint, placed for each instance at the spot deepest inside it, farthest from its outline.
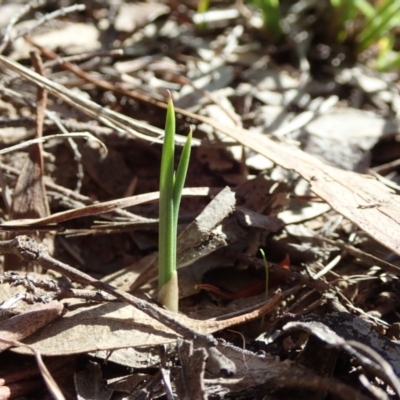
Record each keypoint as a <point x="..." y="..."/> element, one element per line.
<point x="171" y="185"/>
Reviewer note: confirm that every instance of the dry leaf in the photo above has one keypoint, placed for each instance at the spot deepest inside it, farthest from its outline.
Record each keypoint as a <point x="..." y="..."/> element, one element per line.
<point x="343" y="137"/>
<point x="360" y="198"/>
<point x="132" y="16"/>
<point x="89" y="384"/>
<point x="68" y="39"/>
<point x="19" y="327"/>
<point x="117" y="325"/>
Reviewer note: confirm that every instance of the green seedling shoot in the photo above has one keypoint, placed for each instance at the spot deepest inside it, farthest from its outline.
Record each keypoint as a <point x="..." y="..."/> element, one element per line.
<point x="171" y="185"/>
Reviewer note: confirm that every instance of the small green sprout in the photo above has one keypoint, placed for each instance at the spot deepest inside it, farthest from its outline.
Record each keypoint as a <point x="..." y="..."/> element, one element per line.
<point x="171" y="185"/>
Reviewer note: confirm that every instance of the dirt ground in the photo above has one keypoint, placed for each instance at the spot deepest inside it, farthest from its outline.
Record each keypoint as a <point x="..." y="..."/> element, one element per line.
<point x="295" y="157"/>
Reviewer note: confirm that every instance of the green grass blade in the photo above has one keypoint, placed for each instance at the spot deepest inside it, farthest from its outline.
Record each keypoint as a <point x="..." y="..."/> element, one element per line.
<point x="347" y="11"/>
<point x="181" y="173"/>
<point x="167" y="225"/>
<point x="386" y="17"/>
<point x="171" y="185"/>
<point x="365" y="8"/>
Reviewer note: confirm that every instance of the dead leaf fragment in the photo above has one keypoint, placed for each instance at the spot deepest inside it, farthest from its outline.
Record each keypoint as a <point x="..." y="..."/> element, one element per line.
<point x="360" y="198"/>
<point x="68" y="39"/>
<point x="343" y="137"/>
<point x="117" y="325"/>
<point x="89" y="383"/>
<point x="21" y="326"/>
<point x="132" y="16"/>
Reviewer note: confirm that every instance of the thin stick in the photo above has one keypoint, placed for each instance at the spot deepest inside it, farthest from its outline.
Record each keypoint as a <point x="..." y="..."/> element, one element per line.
<point x="15" y="18"/>
<point x="61" y="12"/>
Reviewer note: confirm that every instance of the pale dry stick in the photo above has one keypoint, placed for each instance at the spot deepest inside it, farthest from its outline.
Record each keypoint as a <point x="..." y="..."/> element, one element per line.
<point x="61" y="12"/>
<point x="387" y="182"/>
<point x="101" y="208"/>
<point x="83" y="135"/>
<point x="106" y="116"/>
<point x="82" y="201"/>
<point x="84" y="57"/>
<point x="376" y="362"/>
<point x="77" y="154"/>
<point x="369" y="259"/>
<point x="384" y="169"/>
<point x="332" y="264"/>
<point x="137" y="96"/>
<point x="348" y="304"/>
<point x="15" y="18"/>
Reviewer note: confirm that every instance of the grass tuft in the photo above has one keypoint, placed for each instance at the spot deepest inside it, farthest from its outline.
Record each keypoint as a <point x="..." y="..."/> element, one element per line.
<point x="171" y="185"/>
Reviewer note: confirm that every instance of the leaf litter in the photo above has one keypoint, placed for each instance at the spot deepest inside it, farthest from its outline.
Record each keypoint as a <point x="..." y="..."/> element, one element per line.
<point x="271" y="141"/>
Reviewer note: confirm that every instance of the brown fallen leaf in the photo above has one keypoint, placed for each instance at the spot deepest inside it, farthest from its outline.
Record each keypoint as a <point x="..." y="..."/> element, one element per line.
<point x="67" y="38"/>
<point x="117" y="325"/>
<point x="19" y="327"/>
<point x="360" y="198"/>
<point x="344" y="136"/>
<point x="132" y="16"/>
<point x="89" y="383"/>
